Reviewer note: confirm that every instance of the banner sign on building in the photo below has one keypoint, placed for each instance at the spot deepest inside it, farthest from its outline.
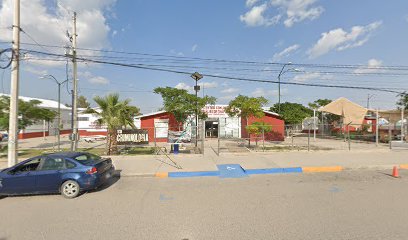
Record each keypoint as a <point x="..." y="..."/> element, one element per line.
<point x="161" y="127"/>
<point x="132" y="136"/>
<point x="215" y="111"/>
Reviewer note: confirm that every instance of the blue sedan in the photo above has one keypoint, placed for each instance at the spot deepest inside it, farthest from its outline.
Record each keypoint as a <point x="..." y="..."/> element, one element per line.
<point x="68" y="173"/>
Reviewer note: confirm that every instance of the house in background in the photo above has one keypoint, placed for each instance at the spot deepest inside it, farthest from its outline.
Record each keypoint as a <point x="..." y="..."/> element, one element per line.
<point x="218" y="124"/>
<point x="44" y="128"/>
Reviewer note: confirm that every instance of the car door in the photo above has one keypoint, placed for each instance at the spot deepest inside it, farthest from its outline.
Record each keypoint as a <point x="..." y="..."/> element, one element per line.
<point x="49" y="174"/>
<point x="21" y="179"/>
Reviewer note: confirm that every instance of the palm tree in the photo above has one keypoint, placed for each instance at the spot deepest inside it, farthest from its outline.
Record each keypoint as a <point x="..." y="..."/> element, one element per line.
<point x="115" y="114"/>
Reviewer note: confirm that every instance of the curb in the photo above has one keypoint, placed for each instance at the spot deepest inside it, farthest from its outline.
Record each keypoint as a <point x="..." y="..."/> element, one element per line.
<point x="318" y="169"/>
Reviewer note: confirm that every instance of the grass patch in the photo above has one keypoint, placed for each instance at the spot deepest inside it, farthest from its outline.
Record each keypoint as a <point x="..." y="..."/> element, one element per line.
<point x="28" y="153"/>
<point x="290" y="148"/>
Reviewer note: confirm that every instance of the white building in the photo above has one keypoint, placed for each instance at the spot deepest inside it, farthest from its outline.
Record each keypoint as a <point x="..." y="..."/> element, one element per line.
<point x="44" y="128"/>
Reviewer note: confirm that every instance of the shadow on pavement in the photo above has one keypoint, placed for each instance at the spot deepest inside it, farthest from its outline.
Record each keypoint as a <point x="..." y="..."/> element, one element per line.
<point x="114" y="179"/>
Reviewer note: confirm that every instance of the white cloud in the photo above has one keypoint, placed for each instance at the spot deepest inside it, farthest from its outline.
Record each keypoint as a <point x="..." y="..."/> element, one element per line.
<point x="41" y="61"/>
<point x="230" y="90"/>
<point x="285" y="53"/>
<point x="35" y="71"/>
<point x="255" y="17"/>
<point x="194" y="47"/>
<point x="184" y="86"/>
<point x="174" y="52"/>
<point x="373" y="66"/>
<point x="340" y="40"/>
<point x="298" y="10"/>
<point x="48" y="25"/>
<point x="250" y="3"/>
<point x="227" y="98"/>
<point x="293" y="11"/>
<point x="85" y="74"/>
<point x="306" y="76"/>
<point x="209" y="84"/>
<point x="261" y="92"/>
<point x="98" y="80"/>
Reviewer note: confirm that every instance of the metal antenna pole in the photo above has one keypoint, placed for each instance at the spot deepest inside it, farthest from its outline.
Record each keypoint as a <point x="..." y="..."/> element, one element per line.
<point x="15" y="76"/>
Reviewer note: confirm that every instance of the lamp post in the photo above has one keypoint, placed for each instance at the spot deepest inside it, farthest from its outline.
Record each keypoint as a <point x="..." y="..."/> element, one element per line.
<point x="49" y="76"/>
<point x="279" y="80"/>
<point x="196" y="76"/>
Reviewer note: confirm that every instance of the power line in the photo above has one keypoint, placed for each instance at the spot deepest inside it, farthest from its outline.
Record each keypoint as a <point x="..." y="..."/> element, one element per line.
<point x="347" y="66"/>
<point x="140" y="66"/>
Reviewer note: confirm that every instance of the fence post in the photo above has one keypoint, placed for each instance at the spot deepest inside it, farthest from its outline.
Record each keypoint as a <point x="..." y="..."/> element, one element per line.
<point x="348" y="135"/>
<point x="308" y="138"/>
<point x="314" y="125"/>
<point x="263" y="140"/>
<point x="376" y="128"/>
<point x="202" y="137"/>
<point x="154" y="137"/>
<point x="389" y="135"/>
<point x="292" y="141"/>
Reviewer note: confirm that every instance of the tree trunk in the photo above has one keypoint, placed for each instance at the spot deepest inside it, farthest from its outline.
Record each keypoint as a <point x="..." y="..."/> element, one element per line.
<point x="112" y="142"/>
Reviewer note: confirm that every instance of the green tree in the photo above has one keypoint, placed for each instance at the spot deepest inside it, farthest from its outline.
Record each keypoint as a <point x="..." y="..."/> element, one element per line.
<point x="115" y="114"/>
<point x="182" y="104"/>
<point x="257" y="128"/>
<point x="292" y="113"/>
<point x="83" y="102"/>
<point x="319" y="103"/>
<point x="403" y="101"/>
<point x="29" y="113"/>
<point x="245" y="107"/>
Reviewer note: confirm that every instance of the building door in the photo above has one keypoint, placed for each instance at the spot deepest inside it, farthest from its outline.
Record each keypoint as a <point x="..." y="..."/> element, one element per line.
<point x="211" y="129"/>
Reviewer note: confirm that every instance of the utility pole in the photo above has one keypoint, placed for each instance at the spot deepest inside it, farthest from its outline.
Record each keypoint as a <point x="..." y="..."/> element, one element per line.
<point x="15" y="77"/>
<point x="74" y="136"/>
<point x="196" y="76"/>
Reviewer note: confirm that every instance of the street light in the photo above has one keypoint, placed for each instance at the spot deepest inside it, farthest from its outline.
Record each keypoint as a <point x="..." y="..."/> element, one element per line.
<point x="279" y="80"/>
<point x="49" y="76"/>
<point x="196" y="76"/>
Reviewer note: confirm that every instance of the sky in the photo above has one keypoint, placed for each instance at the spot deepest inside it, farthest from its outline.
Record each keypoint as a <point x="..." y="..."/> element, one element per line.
<point x="348" y="43"/>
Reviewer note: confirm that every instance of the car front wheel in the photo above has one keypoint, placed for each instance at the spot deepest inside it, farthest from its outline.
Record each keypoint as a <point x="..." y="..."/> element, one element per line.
<point x="70" y="189"/>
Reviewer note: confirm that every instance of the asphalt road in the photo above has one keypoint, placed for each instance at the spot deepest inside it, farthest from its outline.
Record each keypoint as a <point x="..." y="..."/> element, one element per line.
<point x="346" y="205"/>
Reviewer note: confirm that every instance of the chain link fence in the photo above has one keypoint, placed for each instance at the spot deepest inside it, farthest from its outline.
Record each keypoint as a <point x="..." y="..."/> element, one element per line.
<point x="170" y="139"/>
<point x="321" y="137"/>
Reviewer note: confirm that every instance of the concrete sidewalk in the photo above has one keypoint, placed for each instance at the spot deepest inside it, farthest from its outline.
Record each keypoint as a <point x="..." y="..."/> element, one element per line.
<point x="150" y="165"/>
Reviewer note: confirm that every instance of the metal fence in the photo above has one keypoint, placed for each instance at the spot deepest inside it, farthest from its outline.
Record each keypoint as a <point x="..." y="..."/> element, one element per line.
<point x="321" y="137"/>
<point x="162" y="140"/>
<point x="159" y="140"/>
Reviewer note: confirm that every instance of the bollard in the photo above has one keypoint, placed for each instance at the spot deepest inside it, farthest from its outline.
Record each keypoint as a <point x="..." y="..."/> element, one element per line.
<point x="176" y="148"/>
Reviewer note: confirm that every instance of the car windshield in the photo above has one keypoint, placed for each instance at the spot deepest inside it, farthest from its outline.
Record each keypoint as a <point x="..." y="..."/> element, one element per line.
<point x="87" y="158"/>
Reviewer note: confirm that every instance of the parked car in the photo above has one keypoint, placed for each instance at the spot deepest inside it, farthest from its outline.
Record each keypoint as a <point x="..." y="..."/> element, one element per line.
<point x="68" y="173"/>
<point x="3" y="136"/>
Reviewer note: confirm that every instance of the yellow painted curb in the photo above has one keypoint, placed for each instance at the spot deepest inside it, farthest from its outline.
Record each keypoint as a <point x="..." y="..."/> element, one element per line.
<point x="162" y="174"/>
<point x="322" y="169"/>
<point x="404" y="166"/>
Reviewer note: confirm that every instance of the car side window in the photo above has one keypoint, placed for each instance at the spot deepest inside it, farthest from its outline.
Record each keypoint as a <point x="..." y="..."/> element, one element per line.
<point x="69" y="164"/>
<point x="53" y="163"/>
<point x="28" y="166"/>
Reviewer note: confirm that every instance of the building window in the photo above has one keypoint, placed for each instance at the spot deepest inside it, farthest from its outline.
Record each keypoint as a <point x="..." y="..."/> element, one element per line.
<point x="83" y="119"/>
